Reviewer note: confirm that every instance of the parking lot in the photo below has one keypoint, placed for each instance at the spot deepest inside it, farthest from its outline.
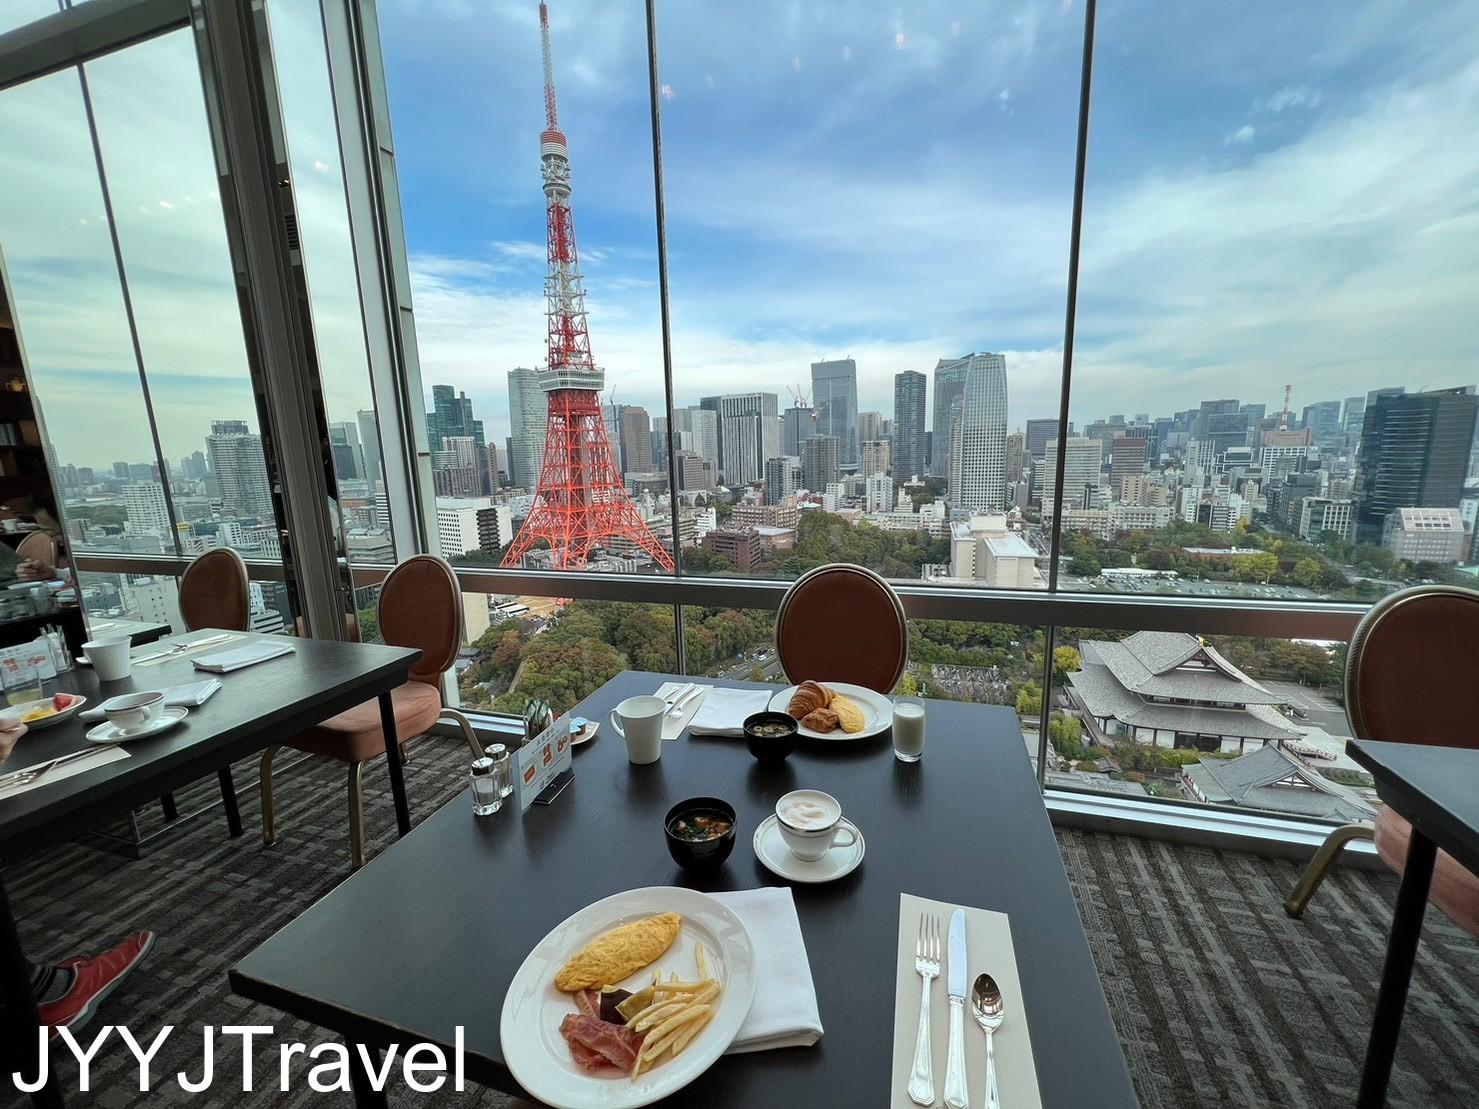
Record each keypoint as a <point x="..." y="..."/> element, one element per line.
<point x="1318" y="709"/>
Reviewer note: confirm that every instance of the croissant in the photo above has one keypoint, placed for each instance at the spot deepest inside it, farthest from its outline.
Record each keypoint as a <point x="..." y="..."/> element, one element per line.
<point x="848" y="713"/>
<point x="821" y="720"/>
<point x="809" y="696"/>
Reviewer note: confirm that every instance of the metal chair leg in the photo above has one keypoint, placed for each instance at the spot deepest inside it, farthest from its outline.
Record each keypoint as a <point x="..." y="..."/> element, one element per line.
<point x="467" y="730"/>
<point x="356" y="817"/>
<point x="269" y="829"/>
<point x="1320" y="865"/>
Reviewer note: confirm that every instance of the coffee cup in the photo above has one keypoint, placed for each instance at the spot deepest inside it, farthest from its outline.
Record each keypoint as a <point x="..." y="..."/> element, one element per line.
<point x="810" y="823"/>
<point x="133" y="712"/>
<point x="109" y="656"/>
<point x="638" y="720"/>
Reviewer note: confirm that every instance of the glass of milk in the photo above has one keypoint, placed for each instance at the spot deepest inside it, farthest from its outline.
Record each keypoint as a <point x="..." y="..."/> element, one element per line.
<point x="908" y="728"/>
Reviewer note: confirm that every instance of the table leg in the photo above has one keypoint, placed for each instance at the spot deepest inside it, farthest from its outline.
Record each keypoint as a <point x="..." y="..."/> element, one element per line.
<point x="365" y="1095"/>
<point x="228" y="798"/>
<point x="19" y="1009"/>
<point x="1396" y="975"/>
<point x="167" y="803"/>
<point x="393" y="758"/>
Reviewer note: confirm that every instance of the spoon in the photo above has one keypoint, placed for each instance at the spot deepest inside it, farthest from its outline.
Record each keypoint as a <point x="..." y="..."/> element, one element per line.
<point x="987" y="1006"/>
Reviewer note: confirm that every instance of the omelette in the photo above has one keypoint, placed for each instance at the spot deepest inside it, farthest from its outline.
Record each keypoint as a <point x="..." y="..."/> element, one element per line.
<point x="613" y="955"/>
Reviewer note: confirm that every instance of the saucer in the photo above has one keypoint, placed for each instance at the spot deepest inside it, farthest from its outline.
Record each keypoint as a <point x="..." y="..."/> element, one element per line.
<point x="110" y="733"/>
<point x="775" y="856"/>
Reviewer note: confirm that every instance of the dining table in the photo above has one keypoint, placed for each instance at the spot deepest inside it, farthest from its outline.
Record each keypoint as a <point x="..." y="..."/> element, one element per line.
<point x="422" y="944"/>
<point x="255" y="708"/>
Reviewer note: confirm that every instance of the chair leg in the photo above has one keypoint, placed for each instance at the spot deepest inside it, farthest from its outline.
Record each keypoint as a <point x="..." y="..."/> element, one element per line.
<point x="228" y="798"/>
<point x="405" y="751"/>
<point x="1320" y="865"/>
<point x="467" y="730"/>
<point x="356" y="817"/>
<point x="269" y="828"/>
<point x="167" y="804"/>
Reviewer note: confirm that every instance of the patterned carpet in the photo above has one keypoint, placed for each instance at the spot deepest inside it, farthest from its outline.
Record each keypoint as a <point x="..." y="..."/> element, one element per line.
<point x="1220" y="1000"/>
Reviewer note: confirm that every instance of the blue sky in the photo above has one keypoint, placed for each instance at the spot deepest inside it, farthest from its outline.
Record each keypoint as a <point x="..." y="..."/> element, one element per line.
<point x="1275" y="193"/>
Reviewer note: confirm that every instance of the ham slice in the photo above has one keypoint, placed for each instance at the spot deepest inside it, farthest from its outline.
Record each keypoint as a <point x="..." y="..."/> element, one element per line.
<point x="589" y="1003"/>
<point x="592" y="1040"/>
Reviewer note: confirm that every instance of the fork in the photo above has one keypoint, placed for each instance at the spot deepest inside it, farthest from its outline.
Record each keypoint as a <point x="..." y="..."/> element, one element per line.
<point x="927" y="964"/>
<point x="26" y="777"/>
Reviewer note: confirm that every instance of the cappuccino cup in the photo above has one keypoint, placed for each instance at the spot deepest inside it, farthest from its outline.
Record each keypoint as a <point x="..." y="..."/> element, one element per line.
<point x="809" y="821"/>
<point x="133" y="712"/>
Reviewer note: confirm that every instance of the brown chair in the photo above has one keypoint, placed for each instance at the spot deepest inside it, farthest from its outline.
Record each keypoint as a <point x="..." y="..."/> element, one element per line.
<point x="214" y="592"/>
<point x="1409" y="678"/>
<point x="39" y="547"/>
<point x="420" y="606"/>
<point x="842" y="623"/>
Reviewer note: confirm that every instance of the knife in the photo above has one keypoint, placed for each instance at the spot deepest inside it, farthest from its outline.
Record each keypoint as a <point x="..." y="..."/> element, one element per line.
<point x="956" y="1096"/>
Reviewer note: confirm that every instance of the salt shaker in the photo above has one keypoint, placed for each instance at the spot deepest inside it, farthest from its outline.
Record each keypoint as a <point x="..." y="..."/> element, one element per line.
<point x="497" y="753"/>
<point x="486" y="800"/>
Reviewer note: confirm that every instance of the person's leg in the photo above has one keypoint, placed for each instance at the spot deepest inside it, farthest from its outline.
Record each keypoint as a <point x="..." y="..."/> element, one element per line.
<point x="81" y="984"/>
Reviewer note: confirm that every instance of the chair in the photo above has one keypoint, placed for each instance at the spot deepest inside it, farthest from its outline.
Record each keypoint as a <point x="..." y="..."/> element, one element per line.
<point x="214" y="592"/>
<point x="1409" y="678"/>
<point x="420" y="606"/>
<point x="842" y="623"/>
<point x="39" y="547"/>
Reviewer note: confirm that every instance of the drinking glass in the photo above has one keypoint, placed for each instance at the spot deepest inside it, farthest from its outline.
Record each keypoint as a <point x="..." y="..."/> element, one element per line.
<point x="908" y="728"/>
<point x="22" y="682"/>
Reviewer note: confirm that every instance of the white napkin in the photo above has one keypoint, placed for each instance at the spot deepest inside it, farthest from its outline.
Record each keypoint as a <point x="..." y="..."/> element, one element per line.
<point x="190" y="695"/>
<point x="724" y="711"/>
<point x="784" y="1012"/>
<point x="237" y="658"/>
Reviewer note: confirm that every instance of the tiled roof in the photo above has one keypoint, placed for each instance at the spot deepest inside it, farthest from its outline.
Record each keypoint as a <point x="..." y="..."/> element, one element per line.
<point x="1254" y="780"/>
<point x="1148" y="663"/>
<point x="1103" y="695"/>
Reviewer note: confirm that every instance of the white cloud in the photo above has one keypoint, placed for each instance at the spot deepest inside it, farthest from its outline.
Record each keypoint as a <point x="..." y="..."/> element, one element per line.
<point x="1242" y="135"/>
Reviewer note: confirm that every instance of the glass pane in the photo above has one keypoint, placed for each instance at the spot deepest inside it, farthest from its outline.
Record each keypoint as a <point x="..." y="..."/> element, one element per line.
<point x="867" y="223"/>
<point x="1274" y="366"/>
<point x="17" y="13"/>
<point x="476" y="217"/>
<point x="150" y="598"/>
<point x="1232" y="721"/>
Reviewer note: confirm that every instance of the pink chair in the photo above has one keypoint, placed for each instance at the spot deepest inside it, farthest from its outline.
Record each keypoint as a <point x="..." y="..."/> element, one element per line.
<point x="1409" y="678"/>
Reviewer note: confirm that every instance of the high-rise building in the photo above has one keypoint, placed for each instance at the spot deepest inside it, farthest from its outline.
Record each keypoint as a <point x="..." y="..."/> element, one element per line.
<point x="696" y="474"/>
<point x="820" y="462"/>
<point x="745" y="444"/>
<point x="797" y="425"/>
<point x="982" y="457"/>
<point x="909" y="443"/>
<point x="239" y="469"/>
<point x="834" y="395"/>
<point x="1352" y="415"/>
<point x="949" y="387"/>
<point x="1323" y="420"/>
<point x="147" y="509"/>
<point x="1038" y="433"/>
<point x="878" y="490"/>
<point x="634" y="429"/>
<point x="451" y="414"/>
<point x="871" y="425"/>
<point x="369" y="445"/>
<point x="459" y="468"/>
<point x="876" y="457"/>
<point x="1414" y="454"/>
<point x="782" y="478"/>
<point x="1083" y="460"/>
<point x="349" y="463"/>
<point x="659" y="441"/>
<point x="1016" y="457"/>
<point x="528" y="420"/>
<point x="1128" y="457"/>
<point x="698" y="433"/>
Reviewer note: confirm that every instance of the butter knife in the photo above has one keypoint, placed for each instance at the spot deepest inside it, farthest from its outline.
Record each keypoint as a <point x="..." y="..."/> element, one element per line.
<point x="956" y="1096"/>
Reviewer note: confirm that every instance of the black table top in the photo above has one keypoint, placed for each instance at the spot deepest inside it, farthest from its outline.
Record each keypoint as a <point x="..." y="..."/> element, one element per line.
<point x="256" y="707"/>
<point x="139" y="631"/>
<point x="428" y="936"/>
<point x="1435" y="788"/>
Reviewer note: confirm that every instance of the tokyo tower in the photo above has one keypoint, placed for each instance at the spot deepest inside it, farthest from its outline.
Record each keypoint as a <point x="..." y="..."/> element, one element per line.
<point x="581" y="502"/>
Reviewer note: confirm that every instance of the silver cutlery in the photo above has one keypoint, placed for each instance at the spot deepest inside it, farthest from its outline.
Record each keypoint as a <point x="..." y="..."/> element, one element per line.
<point x="987" y="1006"/>
<point x="927" y="964"/>
<point x="33" y="773"/>
<point x="681" y="704"/>
<point x="956" y="1096"/>
<point x="678" y="694"/>
<point x="186" y="646"/>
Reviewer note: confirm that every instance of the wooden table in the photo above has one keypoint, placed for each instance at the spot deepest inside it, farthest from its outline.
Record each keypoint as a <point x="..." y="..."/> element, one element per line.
<point x="255" y="708"/>
<point x="429" y="935"/>
<point x="1437" y="790"/>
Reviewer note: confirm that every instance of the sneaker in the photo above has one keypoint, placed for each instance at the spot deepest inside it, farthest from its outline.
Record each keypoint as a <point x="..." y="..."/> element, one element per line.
<point x="93" y="979"/>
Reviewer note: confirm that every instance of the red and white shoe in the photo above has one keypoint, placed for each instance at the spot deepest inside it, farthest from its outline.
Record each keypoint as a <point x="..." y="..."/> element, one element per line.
<point x="93" y="979"/>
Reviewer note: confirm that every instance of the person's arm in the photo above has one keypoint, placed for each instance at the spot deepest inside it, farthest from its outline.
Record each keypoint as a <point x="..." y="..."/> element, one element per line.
<point x="9" y="734"/>
<point x="33" y="569"/>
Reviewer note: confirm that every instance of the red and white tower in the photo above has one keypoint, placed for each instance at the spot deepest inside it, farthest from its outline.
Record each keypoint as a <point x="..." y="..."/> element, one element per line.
<point x="581" y="502"/>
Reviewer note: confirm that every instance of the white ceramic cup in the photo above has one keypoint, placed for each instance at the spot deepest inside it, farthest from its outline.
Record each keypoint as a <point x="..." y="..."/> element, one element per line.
<point x="809" y="823"/>
<point x="109" y="657"/>
<point x="638" y="720"/>
<point x="132" y="712"/>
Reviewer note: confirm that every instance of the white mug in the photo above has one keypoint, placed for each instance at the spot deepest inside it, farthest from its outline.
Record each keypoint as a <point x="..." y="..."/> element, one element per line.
<point x="132" y="712"/>
<point x="638" y="720"/>
<point x="109" y="656"/>
<point x="809" y="821"/>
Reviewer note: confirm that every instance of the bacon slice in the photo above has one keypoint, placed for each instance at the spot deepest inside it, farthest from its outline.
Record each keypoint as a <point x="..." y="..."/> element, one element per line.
<point x="614" y="1045"/>
<point x="589" y="1003"/>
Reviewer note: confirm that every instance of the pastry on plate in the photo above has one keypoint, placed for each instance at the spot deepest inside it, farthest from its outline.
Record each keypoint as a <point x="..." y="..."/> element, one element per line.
<point x="809" y="696"/>
<point x="821" y="720"/>
<point x="849" y="714"/>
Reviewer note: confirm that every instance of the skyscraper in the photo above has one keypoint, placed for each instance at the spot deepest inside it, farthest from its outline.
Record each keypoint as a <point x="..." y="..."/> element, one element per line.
<point x="909" y="399"/>
<point x="1016" y="457"/>
<point x="1323" y="420"/>
<point x="983" y="435"/>
<point x="451" y="414"/>
<point x="797" y="425"/>
<point x="1414" y="454"/>
<point x="635" y="435"/>
<point x="820" y="462"/>
<point x="744" y="445"/>
<point x="1038" y="434"/>
<point x="782" y="478"/>
<point x="369" y="445"/>
<point x="349" y="463"/>
<point x="876" y="457"/>
<point x="527" y="416"/>
<point x="871" y="425"/>
<point x="147" y="511"/>
<point x="697" y="431"/>
<point x="1083" y="459"/>
<point x="834" y="395"/>
<point x="1128" y="458"/>
<point x="949" y="387"/>
<point x="239" y="469"/>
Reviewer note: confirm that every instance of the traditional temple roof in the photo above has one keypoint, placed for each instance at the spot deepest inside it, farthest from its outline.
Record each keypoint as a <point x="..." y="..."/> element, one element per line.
<point x="1272" y="778"/>
<point x="1177" y="666"/>
<point x="1102" y="695"/>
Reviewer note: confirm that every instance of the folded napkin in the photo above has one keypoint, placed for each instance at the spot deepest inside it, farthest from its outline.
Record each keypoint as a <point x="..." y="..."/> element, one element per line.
<point x="223" y="662"/>
<point x="191" y="695"/>
<point x="784" y="1012"/>
<point x="724" y="711"/>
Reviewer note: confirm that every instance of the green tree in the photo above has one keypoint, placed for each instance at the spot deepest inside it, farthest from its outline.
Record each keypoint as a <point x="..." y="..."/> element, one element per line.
<point x="1065" y="661"/>
<point x="1309" y="572"/>
<point x="1029" y="699"/>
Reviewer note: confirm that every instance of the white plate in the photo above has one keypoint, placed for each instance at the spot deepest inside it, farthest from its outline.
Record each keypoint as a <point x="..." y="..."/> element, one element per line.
<point x="15" y="712"/>
<point x="878" y="710"/>
<point x="533" y="1009"/>
<point x="110" y="733"/>
<point x="775" y="856"/>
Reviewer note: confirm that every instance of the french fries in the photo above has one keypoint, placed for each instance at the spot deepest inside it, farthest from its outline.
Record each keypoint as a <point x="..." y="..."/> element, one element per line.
<point x="671" y="1013"/>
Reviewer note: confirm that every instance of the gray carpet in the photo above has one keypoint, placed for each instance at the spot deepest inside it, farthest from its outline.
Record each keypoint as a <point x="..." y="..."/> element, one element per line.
<point x="1220" y="1000"/>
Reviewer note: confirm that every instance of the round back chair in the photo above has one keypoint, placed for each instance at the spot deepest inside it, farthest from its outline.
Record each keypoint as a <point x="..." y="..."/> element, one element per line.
<point x="1409" y="675"/>
<point x="421" y="606"/>
<point x="842" y="623"/>
<point x="214" y="592"/>
<point x="40" y="547"/>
